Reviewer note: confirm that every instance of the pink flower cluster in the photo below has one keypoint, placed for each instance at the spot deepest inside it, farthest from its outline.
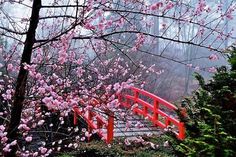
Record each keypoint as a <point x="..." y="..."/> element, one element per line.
<point x="156" y="6"/>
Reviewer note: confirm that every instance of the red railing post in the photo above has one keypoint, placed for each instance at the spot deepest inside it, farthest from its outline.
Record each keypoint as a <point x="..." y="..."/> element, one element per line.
<point x="181" y="131"/>
<point x="99" y="124"/>
<point x="136" y="94"/>
<point x="110" y="127"/>
<point x="155" y="110"/>
<point x="127" y="103"/>
<point x="75" y="116"/>
<point x="167" y="121"/>
<point x="136" y="97"/>
<point x="145" y="110"/>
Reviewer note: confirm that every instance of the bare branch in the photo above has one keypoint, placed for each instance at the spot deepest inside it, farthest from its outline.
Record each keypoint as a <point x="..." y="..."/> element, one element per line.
<point x="12" y="31"/>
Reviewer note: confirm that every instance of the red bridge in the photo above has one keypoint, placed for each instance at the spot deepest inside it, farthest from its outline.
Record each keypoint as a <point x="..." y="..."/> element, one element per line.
<point x="155" y="109"/>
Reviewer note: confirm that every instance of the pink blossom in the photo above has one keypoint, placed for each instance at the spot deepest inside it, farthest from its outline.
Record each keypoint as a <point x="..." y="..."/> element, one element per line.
<point x="159" y="4"/>
<point x="127" y="142"/>
<point x="153" y="7"/>
<point x="60" y="141"/>
<point x="99" y="13"/>
<point x="42" y="91"/>
<point x="62" y="60"/>
<point x="56" y="103"/>
<point x="112" y="98"/>
<point x="28" y="139"/>
<point x="123" y="115"/>
<point x="43" y="150"/>
<point x="149" y="134"/>
<point x="2" y="128"/>
<point x="89" y="26"/>
<point x="138" y="125"/>
<point x="229" y="13"/>
<point x="38" y="76"/>
<point x="208" y="9"/>
<point x="201" y="32"/>
<point x="49" y="88"/>
<point x="125" y="85"/>
<point x="47" y="100"/>
<point x="39" y="57"/>
<point x="134" y="106"/>
<point x="83" y="130"/>
<point x="152" y="145"/>
<point x="7" y="148"/>
<point x="128" y="125"/>
<point x="13" y="143"/>
<point x="212" y="70"/>
<point x="24" y="127"/>
<point x="73" y="103"/>
<point x="9" y="67"/>
<point x="41" y="122"/>
<point x="82" y="139"/>
<point x="80" y="61"/>
<point x="70" y="145"/>
<point x="139" y="41"/>
<point x="109" y="23"/>
<point x="35" y="154"/>
<point x="59" y="81"/>
<point x="113" y="104"/>
<point x="4" y="139"/>
<point x="169" y="6"/>
<point x="189" y="65"/>
<point x="200" y="7"/>
<point x="87" y="134"/>
<point x="8" y="95"/>
<point x="120" y="22"/>
<point x="197" y="68"/>
<point x="80" y="71"/>
<point x="101" y="26"/>
<point x="116" y="86"/>
<point x="213" y="57"/>
<point x="108" y="88"/>
<point x="166" y="144"/>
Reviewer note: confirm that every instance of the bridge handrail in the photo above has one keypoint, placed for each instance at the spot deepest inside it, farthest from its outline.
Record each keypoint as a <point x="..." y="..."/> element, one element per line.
<point x="154" y="97"/>
<point x="154" y="118"/>
<point x="101" y="121"/>
<point x="89" y="114"/>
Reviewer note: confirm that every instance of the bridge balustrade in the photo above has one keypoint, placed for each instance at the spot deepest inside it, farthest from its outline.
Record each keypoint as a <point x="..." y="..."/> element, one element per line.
<point x="151" y="111"/>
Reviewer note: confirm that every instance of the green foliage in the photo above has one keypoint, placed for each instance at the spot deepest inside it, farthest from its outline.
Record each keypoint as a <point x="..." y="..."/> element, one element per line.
<point x="118" y="149"/>
<point x="232" y="57"/>
<point x="65" y="155"/>
<point x="211" y="121"/>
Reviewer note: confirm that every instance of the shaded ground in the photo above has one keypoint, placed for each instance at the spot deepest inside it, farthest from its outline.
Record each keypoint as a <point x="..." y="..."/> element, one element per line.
<point x="119" y="149"/>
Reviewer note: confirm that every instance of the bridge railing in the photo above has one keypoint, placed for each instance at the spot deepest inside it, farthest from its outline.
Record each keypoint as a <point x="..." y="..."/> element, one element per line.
<point x="96" y="122"/>
<point x="152" y="111"/>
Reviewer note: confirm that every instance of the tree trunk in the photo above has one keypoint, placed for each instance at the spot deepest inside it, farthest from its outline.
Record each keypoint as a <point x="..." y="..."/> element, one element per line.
<point x="21" y="82"/>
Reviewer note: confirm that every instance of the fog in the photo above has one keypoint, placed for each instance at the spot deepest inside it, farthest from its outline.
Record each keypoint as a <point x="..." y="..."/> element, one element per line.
<point x="176" y="61"/>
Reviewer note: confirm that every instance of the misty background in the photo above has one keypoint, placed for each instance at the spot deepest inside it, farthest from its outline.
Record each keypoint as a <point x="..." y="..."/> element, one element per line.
<point x="176" y="62"/>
